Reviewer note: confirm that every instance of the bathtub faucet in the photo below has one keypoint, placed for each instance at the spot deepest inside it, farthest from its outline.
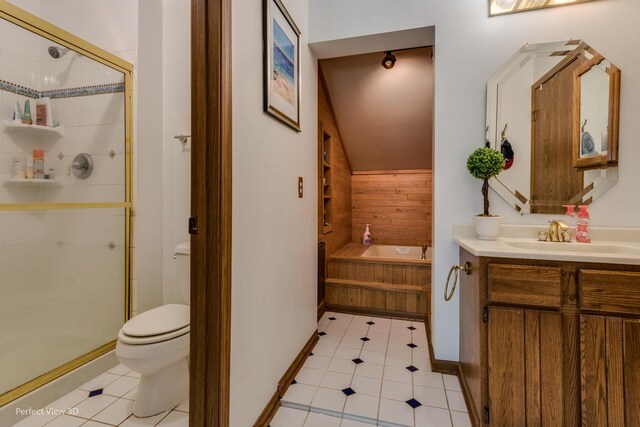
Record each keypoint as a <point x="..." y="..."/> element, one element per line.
<point x="424" y="251"/>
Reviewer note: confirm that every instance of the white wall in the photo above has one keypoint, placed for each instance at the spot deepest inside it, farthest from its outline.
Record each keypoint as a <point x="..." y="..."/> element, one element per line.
<point x="339" y="19"/>
<point x="470" y="46"/>
<point x="176" y="103"/>
<point x="149" y="158"/>
<point x="274" y="232"/>
<point x="111" y="25"/>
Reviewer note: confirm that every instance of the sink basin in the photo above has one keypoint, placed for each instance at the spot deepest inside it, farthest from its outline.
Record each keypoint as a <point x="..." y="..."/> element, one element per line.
<point x="586" y="248"/>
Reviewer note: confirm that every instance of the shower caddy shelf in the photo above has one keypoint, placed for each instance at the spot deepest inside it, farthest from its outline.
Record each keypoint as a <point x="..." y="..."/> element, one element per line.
<point x="55" y="182"/>
<point x="11" y="126"/>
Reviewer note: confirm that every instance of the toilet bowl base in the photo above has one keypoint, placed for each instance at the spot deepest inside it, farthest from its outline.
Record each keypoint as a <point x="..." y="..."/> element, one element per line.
<point x="162" y="390"/>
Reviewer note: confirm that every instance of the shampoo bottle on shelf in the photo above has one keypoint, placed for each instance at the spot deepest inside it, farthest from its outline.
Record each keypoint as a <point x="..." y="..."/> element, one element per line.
<point x="582" y="225"/>
<point x="17" y="112"/>
<point x="368" y="238"/>
<point x="29" y="168"/>
<point x="17" y="170"/>
<point x="38" y="164"/>
<point x="26" y="116"/>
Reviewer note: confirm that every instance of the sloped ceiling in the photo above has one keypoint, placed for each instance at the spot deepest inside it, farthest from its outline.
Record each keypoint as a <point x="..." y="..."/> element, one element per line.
<point x="385" y="117"/>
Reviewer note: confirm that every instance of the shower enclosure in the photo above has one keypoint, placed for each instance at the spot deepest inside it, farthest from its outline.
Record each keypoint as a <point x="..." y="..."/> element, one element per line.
<point x="65" y="201"/>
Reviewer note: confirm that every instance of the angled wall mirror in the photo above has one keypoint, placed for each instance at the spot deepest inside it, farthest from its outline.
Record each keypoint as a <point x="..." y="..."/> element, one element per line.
<point x="553" y="111"/>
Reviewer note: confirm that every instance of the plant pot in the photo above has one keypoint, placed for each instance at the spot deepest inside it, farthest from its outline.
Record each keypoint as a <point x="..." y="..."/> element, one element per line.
<point x="487" y="227"/>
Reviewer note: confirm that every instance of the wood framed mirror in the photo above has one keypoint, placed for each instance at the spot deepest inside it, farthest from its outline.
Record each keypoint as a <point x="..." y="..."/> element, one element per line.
<point x="596" y="112"/>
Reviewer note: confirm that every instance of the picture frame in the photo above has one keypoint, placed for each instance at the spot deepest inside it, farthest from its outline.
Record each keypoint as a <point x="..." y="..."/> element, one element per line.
<point x="281" y="64"/>
<point x="505" y="7"/>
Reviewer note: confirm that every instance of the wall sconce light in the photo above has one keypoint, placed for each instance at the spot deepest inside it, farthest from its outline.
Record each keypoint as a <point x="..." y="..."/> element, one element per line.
<point x="501" y="7"/>
<point x="389" y="60"/>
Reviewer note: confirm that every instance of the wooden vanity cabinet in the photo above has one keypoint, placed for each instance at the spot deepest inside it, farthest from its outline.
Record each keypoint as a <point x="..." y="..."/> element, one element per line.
<point x="610" y="371"/>
<point x="525" y="358"/>
<point x="546" y="343"/>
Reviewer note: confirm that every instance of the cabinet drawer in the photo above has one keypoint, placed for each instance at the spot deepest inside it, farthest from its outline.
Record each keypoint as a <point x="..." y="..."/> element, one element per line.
<point x="525" y="285"/>
<point x="616" y="291"/>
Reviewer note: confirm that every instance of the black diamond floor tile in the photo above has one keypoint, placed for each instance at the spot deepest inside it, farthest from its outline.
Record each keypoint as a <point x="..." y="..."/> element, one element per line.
<point x="96" y="392"/>
<point x="413" y="403"/>
<point x="349" y="391"/>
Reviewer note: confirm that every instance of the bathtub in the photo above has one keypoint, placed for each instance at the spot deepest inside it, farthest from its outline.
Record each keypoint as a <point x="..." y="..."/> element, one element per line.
<point x="391" y="251"/>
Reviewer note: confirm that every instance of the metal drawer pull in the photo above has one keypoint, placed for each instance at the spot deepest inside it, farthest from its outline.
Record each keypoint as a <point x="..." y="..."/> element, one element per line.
<point x="454" y="269"/>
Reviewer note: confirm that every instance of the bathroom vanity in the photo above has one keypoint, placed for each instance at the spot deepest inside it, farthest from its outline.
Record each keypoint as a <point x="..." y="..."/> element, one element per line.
<point x="550" y="335"/>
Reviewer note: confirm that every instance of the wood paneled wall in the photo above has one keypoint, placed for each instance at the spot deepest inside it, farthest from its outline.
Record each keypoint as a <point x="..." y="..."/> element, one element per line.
<point x="397" y="204"/>
<point x="341" y="180"/>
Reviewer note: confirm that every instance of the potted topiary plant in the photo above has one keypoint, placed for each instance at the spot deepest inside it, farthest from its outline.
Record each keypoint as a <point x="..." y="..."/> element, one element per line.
<point x="485" y="163"/>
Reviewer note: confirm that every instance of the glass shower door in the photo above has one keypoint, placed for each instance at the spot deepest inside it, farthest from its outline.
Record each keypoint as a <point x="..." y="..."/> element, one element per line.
<point x="65" y="201"/>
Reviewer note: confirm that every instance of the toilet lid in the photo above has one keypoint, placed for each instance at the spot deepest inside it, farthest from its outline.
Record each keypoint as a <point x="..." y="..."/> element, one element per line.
<point x="159" y="321"/>
<point x="122" y="337"/>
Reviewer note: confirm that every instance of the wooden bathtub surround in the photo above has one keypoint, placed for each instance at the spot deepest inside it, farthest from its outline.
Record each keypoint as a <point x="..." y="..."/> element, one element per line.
<point x="335" y="196"/>
<point x="392" y="287"/>
<point x="550" y="342"/>
<point x="397" y="204"/>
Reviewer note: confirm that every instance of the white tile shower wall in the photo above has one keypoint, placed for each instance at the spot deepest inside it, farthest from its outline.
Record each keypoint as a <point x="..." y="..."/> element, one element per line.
<point x="115" y="28"/>
<point x="93" y="125"/>
<point x="73" y="70"/>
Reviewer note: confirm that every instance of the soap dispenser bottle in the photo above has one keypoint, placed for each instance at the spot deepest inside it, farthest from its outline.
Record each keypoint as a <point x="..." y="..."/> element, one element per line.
<point x="368" y="238"/>
<point x="582" y="225"/>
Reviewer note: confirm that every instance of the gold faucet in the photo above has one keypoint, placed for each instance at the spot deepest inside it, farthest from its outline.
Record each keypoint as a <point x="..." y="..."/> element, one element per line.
<point x="556" y="229"/>
<point x="424" y="251"/>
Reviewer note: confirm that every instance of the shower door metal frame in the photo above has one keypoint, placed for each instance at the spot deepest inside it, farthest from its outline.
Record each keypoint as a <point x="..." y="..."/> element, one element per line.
<point x="36" y="25"/>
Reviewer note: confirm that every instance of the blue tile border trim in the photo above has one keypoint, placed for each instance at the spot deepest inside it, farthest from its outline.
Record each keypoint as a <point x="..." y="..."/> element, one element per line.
<point x="20" y="90"/>
<point x="84" y="91"/>
<point x="62" y="93"/>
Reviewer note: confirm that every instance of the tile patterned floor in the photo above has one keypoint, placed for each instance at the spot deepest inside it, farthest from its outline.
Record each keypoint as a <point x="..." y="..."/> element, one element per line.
<point x="371" y="371"/>
<point x="364" y="371"/>
<point x="111" y="408"/>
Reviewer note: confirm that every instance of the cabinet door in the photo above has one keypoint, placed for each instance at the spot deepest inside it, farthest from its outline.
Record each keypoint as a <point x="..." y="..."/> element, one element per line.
<point x="610" y="371"/>
<point x="525" y="361"/>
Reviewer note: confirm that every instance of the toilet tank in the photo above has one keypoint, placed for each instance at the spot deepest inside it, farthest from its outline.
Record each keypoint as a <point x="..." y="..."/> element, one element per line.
<point x="182" y="255"/>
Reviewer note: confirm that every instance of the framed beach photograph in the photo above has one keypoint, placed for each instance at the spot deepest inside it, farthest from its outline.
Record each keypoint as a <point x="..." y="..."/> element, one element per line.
<point x="281" y="64"/>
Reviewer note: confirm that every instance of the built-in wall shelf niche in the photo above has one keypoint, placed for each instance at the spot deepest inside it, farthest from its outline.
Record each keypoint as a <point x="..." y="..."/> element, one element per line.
<point x="9" y="181"/>
<point x="12" y="126"/>
<point x="326" y="141"/>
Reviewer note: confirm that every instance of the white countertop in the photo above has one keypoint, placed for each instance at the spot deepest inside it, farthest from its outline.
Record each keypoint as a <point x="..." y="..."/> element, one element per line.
<point x="608" y="245"/>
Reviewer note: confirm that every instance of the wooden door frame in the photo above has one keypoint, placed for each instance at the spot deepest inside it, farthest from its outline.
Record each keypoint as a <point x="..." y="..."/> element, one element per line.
<point x="211" y="207"/>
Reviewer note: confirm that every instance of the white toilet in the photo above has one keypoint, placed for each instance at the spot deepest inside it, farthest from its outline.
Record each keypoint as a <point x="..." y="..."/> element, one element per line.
<point x="156" y="345"/>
